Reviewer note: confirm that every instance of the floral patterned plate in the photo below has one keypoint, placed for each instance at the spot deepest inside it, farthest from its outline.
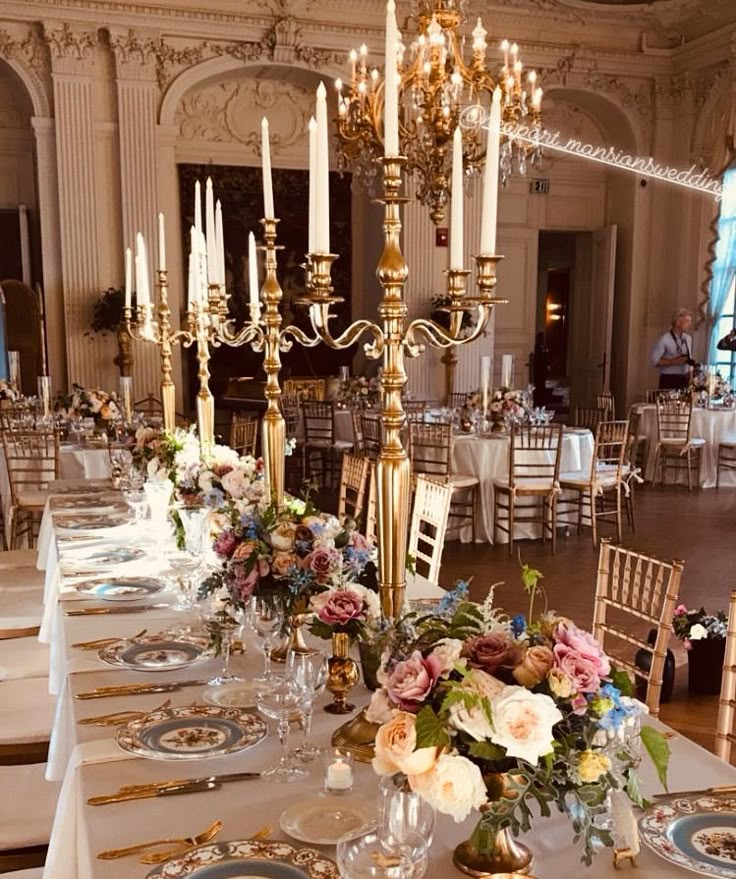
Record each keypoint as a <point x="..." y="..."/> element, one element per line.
<point x="252" y="858"/>
<point x="156" y="653"/>
<point x="114" y="555"/>
<point x="89" y="523"/>
<point x="191" y="733"/>
<point x="120" y="588"/>
<point x="697" y="832"/>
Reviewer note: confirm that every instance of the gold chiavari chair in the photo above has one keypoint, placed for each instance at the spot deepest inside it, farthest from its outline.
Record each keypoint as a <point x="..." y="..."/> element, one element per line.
<point x="149" y="407"/>
<point x="306" y="388"/>
<point x="534" y="466"/>
<point x="457" y="399"/>
<point x="357" y="418"/>
<point x="353" y="485"/>
<point x="654" y="394"/>
<point x="414" y="409"/>
<point x="430" y="448"/>
<point x="603" y="481"/>
<point x="640" y="592"/>
<point x="32" y="461"/>
<point x="634" y="463"/>
<point x="244" y="433"/>
<point x="607" y="404"/>
<point x="370" y="507"/>
<point x="587" y="416"/>
<point x="319" y="437"/>
<point x="726" y="458"/>
<point x="676" y="447"/>
<point x="291" y="411"/>
<point x="371" y="431"/>
<point x="428" y="526"/>
<point x="727" y="703"/>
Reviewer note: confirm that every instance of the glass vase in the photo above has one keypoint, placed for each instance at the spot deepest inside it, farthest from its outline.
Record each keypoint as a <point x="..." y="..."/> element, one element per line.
<point x="158" y="495"/>
<point x="193" y="520"/>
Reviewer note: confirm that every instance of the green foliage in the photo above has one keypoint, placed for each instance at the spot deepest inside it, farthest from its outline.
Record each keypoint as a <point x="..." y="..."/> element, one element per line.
<point x="431" y="731"/>
<point x="107" y="311"/>
<point x="621" y="680"/>
<point x="658" y="749"/>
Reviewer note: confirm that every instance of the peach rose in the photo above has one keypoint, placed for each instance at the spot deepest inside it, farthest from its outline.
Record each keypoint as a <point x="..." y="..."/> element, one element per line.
<point x="282" y="563"/>
<point x="396" y="748"/>
<point x="522" y="723"/>
<point x="534" y="667"/>
<point x="282" y="537"/>
<point x="454" y="786"/>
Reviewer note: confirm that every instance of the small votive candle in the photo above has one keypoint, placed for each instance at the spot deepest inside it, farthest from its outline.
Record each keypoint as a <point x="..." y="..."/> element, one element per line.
<point x="338" y="771"/>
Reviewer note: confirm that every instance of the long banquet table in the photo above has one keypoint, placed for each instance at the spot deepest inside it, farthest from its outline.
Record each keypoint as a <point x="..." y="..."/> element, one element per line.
<point x="714" y="425"/>
<point x="90" y="762"/>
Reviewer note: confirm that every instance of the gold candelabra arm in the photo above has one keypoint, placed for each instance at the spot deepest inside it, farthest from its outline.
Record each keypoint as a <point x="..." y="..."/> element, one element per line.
<point x="133" y="328"/>
<point x="292" y="334"/>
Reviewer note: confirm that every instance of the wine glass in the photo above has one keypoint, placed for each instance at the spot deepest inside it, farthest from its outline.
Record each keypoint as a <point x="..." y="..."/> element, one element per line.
<point x="137" y="501"/>
<point x="183" y="565"/>
<point x="280" y="697"/>
<point x="222" y="621"/>
<point x="402" y="812"/>
<point x="371" y="857"/>
<point x="266" y="617"/>
<point x="310" y="670"/>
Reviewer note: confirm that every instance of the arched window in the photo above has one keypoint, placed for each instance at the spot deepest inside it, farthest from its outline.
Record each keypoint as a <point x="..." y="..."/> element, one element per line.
<point x="723" y="282"/>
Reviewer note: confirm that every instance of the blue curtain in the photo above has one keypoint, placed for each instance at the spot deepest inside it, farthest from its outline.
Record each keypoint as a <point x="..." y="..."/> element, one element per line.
<point x="724" y="268"/>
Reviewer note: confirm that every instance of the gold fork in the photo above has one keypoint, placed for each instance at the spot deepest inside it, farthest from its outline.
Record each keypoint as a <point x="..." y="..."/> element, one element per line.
<point x="185" y="842"/>
<point x="160" y="857"/>
<point x="103" y="642"/>
<point x="117" y="718"/>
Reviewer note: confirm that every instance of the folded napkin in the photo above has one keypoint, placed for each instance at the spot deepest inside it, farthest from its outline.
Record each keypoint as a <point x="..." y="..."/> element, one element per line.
<point x="68" y="848"/>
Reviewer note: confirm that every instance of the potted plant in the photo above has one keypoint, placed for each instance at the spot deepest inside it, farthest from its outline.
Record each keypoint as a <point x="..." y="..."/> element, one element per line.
<point x="108" y="317"/>
<point x="704" y="637"/>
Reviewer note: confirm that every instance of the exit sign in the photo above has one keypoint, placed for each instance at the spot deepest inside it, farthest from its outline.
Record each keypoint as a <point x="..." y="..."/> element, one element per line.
<point x="540" y="186"/>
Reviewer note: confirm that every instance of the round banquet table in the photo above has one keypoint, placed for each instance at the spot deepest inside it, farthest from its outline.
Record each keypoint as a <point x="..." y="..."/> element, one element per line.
<point x="488" y="459"/>
<point x="715" y="426"/>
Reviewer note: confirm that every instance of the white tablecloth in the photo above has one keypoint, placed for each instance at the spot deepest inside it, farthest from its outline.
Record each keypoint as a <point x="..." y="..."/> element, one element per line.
<point x="343" y="426"/>
<point x="713" y="425"/>
<point x="488" y="459"/>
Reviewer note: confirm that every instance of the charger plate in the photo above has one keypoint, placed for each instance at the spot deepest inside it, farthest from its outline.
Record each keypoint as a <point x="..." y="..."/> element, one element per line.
<point x="191" y="733"/>
<point x="156" y="653"/>
<point x="120" y="588"/>
<point x="248" y="859"/>
<point x="697" y="832"/>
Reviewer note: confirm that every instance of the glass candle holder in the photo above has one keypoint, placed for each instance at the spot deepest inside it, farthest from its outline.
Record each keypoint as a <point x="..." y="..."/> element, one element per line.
<point x="338" y="765"/>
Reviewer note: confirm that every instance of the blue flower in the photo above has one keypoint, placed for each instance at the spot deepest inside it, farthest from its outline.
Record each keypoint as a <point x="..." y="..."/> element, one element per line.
<point x="214" y="498"/>
<point x="518" y="624"/>
<point x="450" y="601"/>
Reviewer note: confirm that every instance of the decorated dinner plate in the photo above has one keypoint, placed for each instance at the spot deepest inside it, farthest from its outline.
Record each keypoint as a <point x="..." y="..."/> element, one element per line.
<point x="89" y="523"/>
<point x="120" y="588"/>
<point x="191" y="733"/>
<point x="248" y="859"/>
<point x="156" y="653"/>
<point x="324" y="820"/>
<point x="697" y="832"/>
<point x="115" y="555"/>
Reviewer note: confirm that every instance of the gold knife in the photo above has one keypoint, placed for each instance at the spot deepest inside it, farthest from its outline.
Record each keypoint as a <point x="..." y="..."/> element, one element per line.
<point x="96" y="611"/>
<point x="138" y="689"/>
<point x="164" y="788"/>
<point x="718" y="789"/>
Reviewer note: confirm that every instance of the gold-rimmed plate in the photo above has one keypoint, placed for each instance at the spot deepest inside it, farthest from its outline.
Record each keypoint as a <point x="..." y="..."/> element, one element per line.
<point x="156" y="653"/>
<point x="120" y="588"/>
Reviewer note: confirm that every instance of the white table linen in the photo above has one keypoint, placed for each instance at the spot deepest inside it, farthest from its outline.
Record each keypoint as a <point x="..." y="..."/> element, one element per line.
<point x="488" y="459"/>
<point x="713" y="425"/>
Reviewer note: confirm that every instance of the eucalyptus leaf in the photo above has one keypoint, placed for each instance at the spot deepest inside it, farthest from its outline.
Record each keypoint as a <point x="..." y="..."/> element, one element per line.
<point x="658" y="749"/>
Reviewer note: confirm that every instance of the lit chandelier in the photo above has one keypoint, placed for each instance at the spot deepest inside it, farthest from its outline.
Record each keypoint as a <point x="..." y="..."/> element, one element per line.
<point x="437" y="91"/>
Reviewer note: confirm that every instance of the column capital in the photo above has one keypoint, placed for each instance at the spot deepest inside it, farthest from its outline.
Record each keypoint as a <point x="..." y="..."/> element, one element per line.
<point x="136" y="54"/>
<point x="72" y="49"/>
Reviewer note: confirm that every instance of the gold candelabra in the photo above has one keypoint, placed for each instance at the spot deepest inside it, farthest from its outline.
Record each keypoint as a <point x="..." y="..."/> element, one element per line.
<point x="200" y="330"/>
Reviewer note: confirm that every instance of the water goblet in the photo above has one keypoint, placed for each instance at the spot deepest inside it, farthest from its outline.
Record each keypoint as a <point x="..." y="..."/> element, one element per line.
<point x="311" y="671"/>
<point x="280" y="697"/>
<point x="371" y="857"/>
<point x="183" y="565"/>
<point x="266" y="617"/>
<point x="222" y="622"/>
<point x="402" y="812"/>
<point x="137" y="501"/>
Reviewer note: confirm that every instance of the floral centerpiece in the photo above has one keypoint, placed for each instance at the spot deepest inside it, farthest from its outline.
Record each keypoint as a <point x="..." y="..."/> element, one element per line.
<point x="85" y="403"/>
<point x="708" y="385"/>
<point x="502" y="403"/>
<point x="359" y="392"/>
<point x="695" y="625"/>
<point x="704" y="637"/>
<point x="485" y="713"/>
<point x="8" y="392"/>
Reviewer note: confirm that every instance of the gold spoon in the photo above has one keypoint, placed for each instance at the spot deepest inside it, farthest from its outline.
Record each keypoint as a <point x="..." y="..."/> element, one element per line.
<point x="186" y="842"/>
<point x="119" y="717"/>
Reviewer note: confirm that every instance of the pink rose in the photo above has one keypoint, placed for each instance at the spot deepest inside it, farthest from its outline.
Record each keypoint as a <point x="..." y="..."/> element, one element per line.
<point x="359" y="541"/>
<point x="411" y="681"/>
<point x="245" y="550"/>
<point x="323" y="562"/>
<point x="246" y="583"/>
<point x="585" y="645"/>
<point x="491" y="652"/>
<point x="582" y="671"/>
<point x="226" y="544"/>
<point x="680" y="610"/>
<point x="339" y="607"/>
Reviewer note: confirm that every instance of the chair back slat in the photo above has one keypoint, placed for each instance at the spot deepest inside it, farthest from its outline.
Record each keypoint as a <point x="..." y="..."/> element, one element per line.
<point x="534" y="454"/>
<point x="370" y="508"/>
<point x="305" y="388"/>
<point x="430" y="449"/>
<point x="606" y="403"/>
<point x="292" y="413"/>
<point x="673" y="420"/>
<point x="727" y="702"/>
<point x="244" y="433"/>
<point x="318" y="422"/>
<point x="371" y="432"/>
<point x="428" y="526"/>
<point x="352" y="493"/>
<point x="645" y="590"/>
<point x="588" y="416"/>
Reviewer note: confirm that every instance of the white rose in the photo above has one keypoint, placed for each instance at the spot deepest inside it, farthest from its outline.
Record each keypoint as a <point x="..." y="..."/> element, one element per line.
<point x="474" y="721"/>
<point x="380" y="710"/>
<point x="331" y="527"/>
<point x="697" y="632"/>
<point x="447" y="651"/>
<point x="234" y="483"/>
<point x="522" y="723"/>
<point x="282" y="537"/>
<point x="255" y="491"/>
<point x="454" y="786"/>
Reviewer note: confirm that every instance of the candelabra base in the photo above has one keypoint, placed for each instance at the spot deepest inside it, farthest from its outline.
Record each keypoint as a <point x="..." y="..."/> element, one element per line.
<point x="357" y="736"/>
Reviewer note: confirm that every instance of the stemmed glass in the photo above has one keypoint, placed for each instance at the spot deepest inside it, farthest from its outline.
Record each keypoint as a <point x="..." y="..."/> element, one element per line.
<point x="310" y="670"/>
<point x="183" y="565"/>
<point x="402" y="813"/>
<point x="137" y="501"/>
<point x="281" y="697"/>
<point x="222" y="622"/>
<point x="266" y="617"/>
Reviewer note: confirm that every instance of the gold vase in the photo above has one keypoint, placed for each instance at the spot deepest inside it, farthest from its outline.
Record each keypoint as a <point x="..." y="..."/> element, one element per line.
<point x="497" y="423"/>
<point x="343" y="675"/>
<point x="294" y="641"/>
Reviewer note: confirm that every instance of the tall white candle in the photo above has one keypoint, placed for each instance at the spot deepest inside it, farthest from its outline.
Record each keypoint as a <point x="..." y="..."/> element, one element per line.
<point x="209" y="219"/>
<point x="485" y="381"/>
<point x="489" y="208"/>
<point x="142" y="287"/>
<point x="161" y="243"/>
<point x="507" y="370"/>
<point x="220" y="244"/>
<point x="128" y="277"/>
<point x="322" y="204"/>
<point x="197" y="206"/>
<point x="267" y="184"/>
<point x="254" y="298"/>
<point x="193" y="285"/>
<point x="456" y="213"/>
<point x="312" y="184"/>
<point x="201" y="269"/>
<point x="391" y="86"/>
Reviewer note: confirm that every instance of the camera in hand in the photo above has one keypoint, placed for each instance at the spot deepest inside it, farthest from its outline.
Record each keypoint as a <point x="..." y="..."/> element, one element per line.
<point x="691" y="362"/>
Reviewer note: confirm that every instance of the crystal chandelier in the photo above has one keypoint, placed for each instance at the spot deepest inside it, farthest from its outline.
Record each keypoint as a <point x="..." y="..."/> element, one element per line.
<point x="438" y="90"/>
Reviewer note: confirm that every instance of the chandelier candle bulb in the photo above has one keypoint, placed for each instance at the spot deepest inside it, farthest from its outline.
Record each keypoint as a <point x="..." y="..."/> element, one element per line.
<point x="254" y="297"/>
<point x="456" y="215"/>
<point x="312" y="183"/>
<point x="161" y="243"/>
<point x="489" y="207"/>
<point x="198" y="205"/>
<point x="219" y="245"/>
<point x="322" y="201"/>
<point x="128" y="278"/>
<point x="266" y="164"/>
<point x="209" y="221"/>
<point x="391" y="87"/>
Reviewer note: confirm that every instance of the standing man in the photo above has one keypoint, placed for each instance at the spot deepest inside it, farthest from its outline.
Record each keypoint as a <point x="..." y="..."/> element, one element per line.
<point x="672" y="354"/>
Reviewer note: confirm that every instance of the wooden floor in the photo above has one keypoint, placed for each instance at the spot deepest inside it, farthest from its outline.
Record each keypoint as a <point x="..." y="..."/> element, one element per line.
<point x="699" y="528"/>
